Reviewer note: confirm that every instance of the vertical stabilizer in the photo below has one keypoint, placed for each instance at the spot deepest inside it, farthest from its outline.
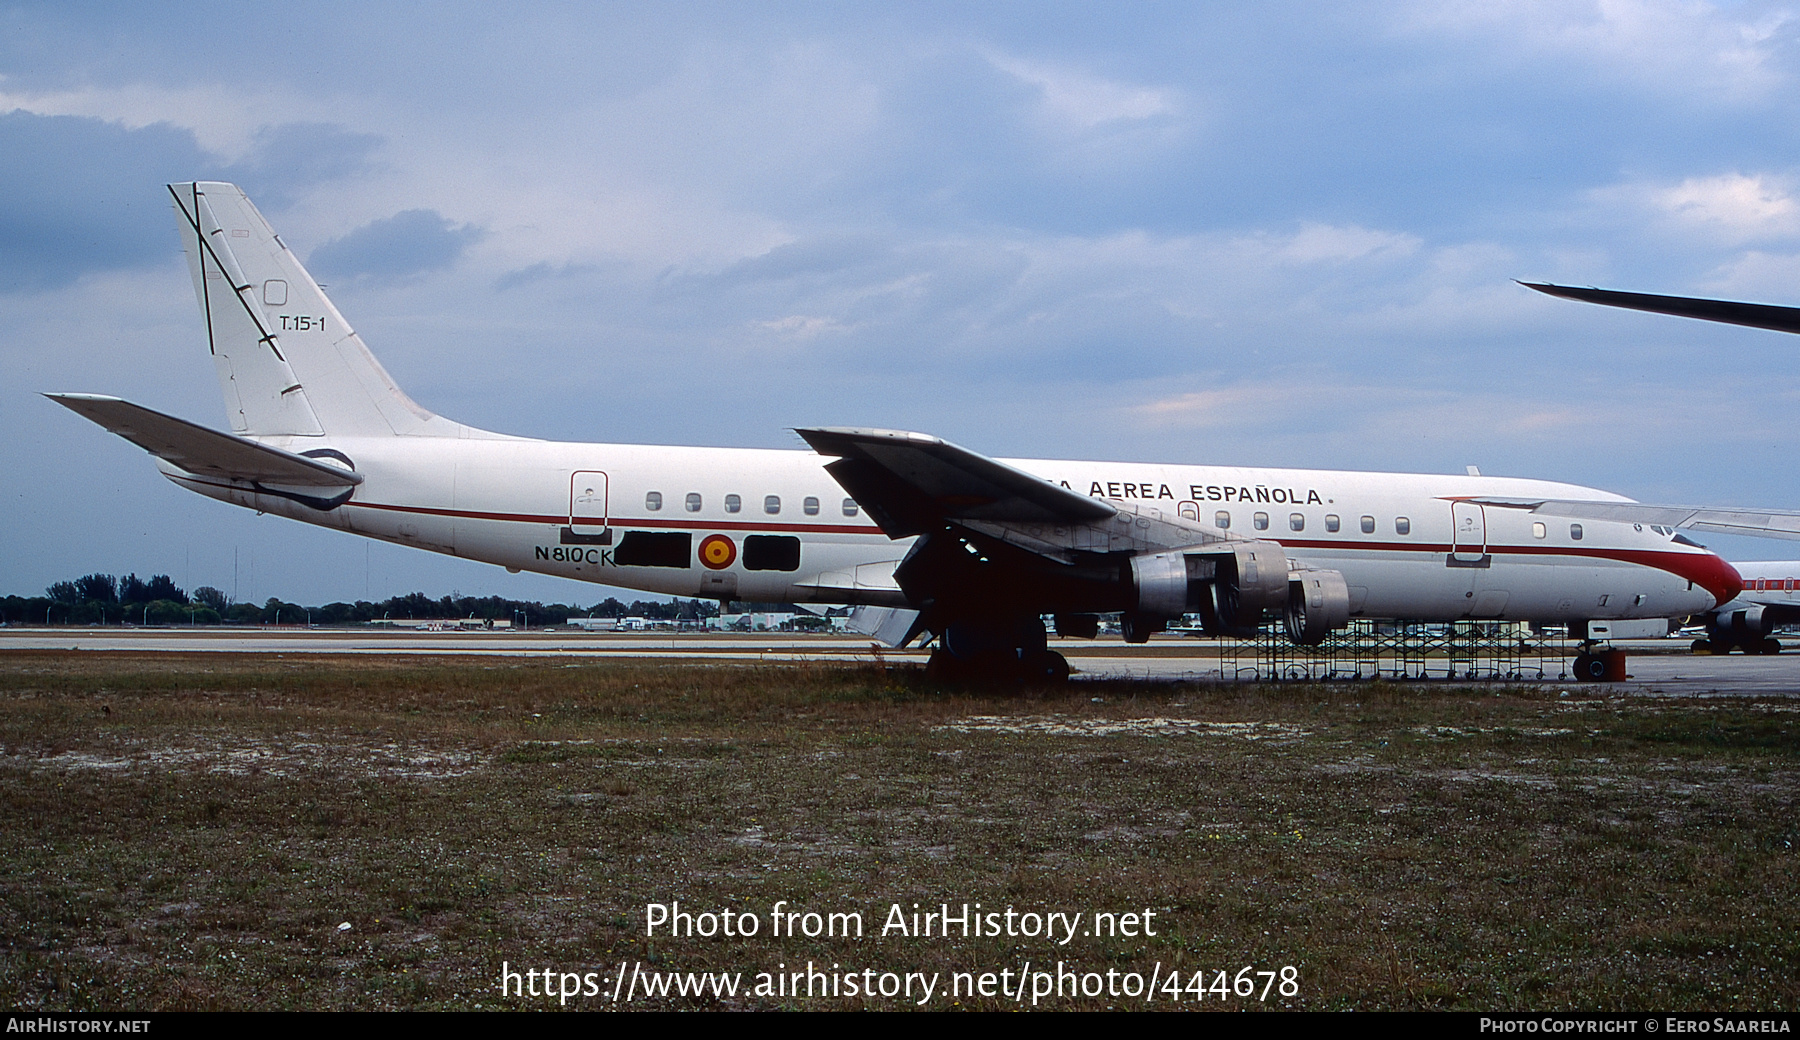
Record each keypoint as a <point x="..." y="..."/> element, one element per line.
<point x="288" y="362"/>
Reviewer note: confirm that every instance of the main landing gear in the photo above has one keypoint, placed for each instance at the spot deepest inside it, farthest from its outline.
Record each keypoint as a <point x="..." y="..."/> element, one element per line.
<point x="1720" y="647"/>
<point x="998" y="654"/>
<point x="1042" y="668"/>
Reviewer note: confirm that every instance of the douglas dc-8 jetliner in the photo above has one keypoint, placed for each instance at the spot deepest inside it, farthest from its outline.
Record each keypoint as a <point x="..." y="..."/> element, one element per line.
<point x="925" y="537"/>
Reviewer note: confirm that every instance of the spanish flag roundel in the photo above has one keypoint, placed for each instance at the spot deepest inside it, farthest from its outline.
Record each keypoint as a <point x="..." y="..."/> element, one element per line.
<point x="717" y="552"/>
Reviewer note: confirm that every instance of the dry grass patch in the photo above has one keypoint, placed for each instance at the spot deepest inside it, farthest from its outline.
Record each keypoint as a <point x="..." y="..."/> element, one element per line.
<point x="191" y="830"/>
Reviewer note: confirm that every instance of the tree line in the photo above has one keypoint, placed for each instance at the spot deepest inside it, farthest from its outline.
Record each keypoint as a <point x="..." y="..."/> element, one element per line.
<point x="104" y="599"/>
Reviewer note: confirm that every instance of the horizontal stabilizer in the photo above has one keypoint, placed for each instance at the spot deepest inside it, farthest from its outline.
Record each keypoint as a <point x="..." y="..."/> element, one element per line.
<point x="1755" y="315"/>
<point x="205" y="452"/>
<point x="912" y="483"/>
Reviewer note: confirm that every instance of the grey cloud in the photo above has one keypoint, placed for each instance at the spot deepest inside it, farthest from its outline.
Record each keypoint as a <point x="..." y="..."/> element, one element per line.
<point x="538" y="272"/>
<point x="80" y="195"/>
<point x="827" y="255"/>
<point x="396" y="248"/>
<point x="292" y="156"/>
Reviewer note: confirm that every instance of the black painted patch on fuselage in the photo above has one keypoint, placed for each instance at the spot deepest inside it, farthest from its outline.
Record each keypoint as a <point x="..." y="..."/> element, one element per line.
<point x="654" y="549"/>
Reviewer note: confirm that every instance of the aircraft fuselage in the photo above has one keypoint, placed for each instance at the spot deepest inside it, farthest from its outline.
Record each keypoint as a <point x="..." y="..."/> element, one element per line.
<point x="771" y="525"/>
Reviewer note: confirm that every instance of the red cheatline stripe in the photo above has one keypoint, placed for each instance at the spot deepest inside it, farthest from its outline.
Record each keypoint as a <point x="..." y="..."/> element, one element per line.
<point x="1702" y="568"/>
<point x="534" y="518"/>
<point x="658" y="522"/>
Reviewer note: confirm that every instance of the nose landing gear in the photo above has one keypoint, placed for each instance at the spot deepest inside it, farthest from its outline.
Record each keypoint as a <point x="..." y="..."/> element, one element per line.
<point x="1596" y="665"/>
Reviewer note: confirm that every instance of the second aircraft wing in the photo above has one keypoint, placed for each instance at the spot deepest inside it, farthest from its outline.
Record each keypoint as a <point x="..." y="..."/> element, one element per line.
<point x="1757" y="523"/>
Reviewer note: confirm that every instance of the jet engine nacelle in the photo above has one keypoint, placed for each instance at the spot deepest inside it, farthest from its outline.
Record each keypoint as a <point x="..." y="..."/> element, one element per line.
<point x="1317" y="602"/>
<point x="1749" y="621"/>
<point x="1229" y="584"/>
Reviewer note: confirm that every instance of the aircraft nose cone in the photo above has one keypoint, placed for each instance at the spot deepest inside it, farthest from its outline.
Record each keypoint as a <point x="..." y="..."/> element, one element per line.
<point x="1708" y="572"/>
<point x="1718" y="577"/>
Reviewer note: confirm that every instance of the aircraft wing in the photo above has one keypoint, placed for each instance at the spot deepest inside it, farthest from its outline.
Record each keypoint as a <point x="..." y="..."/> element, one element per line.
<point x="1755" y="315"/>
<point x="912" y="483"/>
<point x="1761" y="523"/>
<point x="205" y="452"/>
<point x="1758" y="523"/>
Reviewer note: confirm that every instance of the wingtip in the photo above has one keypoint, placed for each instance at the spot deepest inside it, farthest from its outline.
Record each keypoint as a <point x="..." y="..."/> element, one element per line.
<point x="65" y="398"/>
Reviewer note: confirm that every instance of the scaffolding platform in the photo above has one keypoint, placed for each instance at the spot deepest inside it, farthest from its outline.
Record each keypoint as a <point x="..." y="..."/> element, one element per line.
<point x="1469" y="651"/>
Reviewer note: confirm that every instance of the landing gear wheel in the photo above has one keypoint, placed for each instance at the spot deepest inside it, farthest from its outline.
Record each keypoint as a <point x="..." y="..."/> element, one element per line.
<point x="1770" y="645"/>
<point x="1590" y="668"/>
<point x="1704" y="646"/>
<point x="1047" y="667"/>
<point x="945" y="667"/>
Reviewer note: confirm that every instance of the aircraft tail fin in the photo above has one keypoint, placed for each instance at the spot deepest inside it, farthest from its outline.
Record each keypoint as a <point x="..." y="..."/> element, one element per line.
<point x="288" y="362"/>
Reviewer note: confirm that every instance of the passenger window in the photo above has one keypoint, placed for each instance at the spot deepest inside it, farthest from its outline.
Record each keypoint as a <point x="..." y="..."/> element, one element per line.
<point x="1537" y="529"/>
<point x="1368" y="525"/>
<point x="1296" y="521"/>
<point x="1402" y="525"/>
<point x="733" y="503"/>
<point x="772" y="504"/>
<point x="810" y="506"/>
<point x="693" y="502"/>
<point x="1222" y="520"/>
<point x="1260" y="521"/>
<point x="849" y="507"/>
<point x="653" y="501"/>
<point x="1575" y="531"/>
<point x="1331" y="523"/>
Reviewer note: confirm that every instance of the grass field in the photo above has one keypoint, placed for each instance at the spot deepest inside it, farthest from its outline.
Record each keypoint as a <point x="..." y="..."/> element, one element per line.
<point x="191" y="831"/>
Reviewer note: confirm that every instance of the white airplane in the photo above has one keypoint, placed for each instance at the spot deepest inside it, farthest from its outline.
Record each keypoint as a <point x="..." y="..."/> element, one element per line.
<point x="925" y="537"/>
<point x="1770" y="598"/>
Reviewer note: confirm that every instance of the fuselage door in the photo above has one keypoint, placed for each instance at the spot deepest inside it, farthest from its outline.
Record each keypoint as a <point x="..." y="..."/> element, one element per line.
<point x="587" y="502"/>
<point x="1469" y="543"/>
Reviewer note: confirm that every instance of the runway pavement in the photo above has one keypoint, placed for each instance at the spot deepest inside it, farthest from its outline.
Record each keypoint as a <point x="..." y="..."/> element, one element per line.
<point x="1655" y="666"/>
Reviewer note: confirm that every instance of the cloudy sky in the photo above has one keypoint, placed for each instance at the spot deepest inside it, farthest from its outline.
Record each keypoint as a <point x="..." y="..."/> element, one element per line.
<point x="1272" y="234"/>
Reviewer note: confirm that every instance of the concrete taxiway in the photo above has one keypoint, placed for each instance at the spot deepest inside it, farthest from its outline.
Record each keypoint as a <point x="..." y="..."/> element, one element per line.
<point x="1655" y="666"/>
